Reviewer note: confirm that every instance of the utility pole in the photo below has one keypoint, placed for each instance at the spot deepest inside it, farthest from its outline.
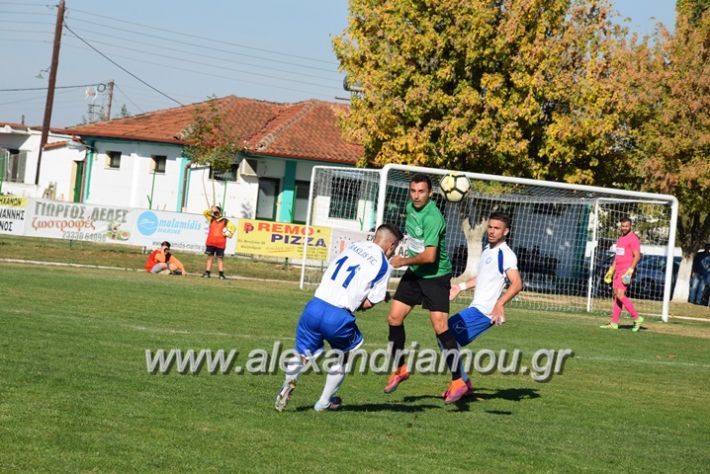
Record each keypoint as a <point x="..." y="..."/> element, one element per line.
<point x="50" y="87"/>
<point x="107" y="115"/>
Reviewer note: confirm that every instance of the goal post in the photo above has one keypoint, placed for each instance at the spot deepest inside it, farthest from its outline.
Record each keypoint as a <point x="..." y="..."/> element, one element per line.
<point x="562" y="233"/>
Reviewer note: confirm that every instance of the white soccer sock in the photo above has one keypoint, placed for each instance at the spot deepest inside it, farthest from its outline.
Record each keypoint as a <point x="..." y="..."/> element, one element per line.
<point x="333" y="381"/>
<point x="294" y="367"/>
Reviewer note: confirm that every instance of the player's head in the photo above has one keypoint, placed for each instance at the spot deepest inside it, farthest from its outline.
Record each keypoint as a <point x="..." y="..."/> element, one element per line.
<point x="420" y="190"/>
<point x="216" y="210"/>
<point x="387" y="237"/>
<point x="165" y="245"/>
<point x="498" y="228"/>
<point x="625" y="225"/>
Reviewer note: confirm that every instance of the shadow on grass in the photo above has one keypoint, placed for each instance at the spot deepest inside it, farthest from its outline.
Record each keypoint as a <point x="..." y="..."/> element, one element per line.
<point x="510" y="394"/>
<point x="394" y="407"/>
<point x="482" y="394"/>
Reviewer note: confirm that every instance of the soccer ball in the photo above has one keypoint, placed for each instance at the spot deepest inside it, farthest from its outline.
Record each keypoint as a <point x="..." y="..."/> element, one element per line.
<point x="454" y="186"/>
<point x="228" y="231"/>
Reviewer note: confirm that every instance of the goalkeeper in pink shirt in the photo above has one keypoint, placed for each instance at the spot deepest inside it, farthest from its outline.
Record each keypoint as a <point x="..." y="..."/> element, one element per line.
<point x="627" y="256"/>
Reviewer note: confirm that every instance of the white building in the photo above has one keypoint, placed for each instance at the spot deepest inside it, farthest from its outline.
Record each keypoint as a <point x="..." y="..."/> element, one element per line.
<point x="140" y="161"/>
<point x="60" y="171"/>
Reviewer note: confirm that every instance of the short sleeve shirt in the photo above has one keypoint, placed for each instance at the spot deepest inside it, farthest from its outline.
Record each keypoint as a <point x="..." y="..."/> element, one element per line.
<point x="360" y="272"/>
<point x="426" y="227"/>
<point x="624" y="250"/>
<point x="490" y="280"/>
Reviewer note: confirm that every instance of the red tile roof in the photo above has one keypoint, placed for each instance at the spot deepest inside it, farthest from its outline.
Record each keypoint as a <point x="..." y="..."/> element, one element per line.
<point x="305" y="130"/>
<point x="51" y="146"/>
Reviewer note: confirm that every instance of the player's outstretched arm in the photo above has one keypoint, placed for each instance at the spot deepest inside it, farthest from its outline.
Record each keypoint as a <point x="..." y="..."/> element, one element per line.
<point x="459" y="287"/>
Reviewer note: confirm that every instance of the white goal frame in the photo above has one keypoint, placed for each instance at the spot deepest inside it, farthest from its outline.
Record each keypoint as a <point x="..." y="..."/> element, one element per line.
<point x="610" y="195"/>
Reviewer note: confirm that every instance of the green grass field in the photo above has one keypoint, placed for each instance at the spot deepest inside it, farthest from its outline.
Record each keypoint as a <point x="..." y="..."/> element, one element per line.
<point x="75" y="394"/>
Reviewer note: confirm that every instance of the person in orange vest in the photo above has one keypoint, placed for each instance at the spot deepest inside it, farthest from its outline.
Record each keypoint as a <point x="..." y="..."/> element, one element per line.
<point x="219" y="231"/>
<point x="161" y="260"/>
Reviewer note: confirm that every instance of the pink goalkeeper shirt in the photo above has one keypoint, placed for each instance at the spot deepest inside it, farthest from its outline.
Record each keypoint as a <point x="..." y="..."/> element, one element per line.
<point x="625" y="247"/>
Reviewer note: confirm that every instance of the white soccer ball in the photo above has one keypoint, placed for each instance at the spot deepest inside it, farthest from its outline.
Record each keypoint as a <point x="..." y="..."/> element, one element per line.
<point x="454" y="186"/>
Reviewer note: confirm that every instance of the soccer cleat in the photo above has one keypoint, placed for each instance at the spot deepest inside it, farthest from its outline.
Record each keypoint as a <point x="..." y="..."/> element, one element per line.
<point x="396" y="378"/>
<point x="335" y="404"/>
<point x="637" y="324"/>
<point x="222" y="277"/>
<point x="610" y="326"/>
<point x="284" y="395"/>
<point x="206" y="275"/>
<point x="456" y="391"/>
<point x="469" y="393"/>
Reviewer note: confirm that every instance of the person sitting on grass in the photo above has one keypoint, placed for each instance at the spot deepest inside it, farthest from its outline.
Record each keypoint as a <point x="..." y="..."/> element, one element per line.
<point x="162" y="261"/>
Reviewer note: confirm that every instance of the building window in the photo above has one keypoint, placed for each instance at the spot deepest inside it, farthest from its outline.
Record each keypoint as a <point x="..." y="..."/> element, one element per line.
<point x="300" y="207"/>
<point x="229" y="174"/>
<point x="159" y="164"/>
<point x="266" y="202"/>
<point x="343" y="204"/>
<point x="13" y="164"/>
<point x="113" y="159"/>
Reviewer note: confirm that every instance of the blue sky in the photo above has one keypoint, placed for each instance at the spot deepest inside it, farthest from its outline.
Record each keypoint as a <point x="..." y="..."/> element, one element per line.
<point x="276" y="50"/>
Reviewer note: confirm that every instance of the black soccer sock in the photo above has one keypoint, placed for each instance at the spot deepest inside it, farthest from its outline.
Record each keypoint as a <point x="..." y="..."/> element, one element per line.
<point x="451" y="352"/>
<point x="397" y="338"/>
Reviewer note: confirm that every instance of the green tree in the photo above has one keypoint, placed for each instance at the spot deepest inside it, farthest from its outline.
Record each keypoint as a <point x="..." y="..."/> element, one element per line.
<point x="508" y="87"/>
<point x="124" y="113"/>
<point x="675" y="143"/>
<point x="211" y="141"/>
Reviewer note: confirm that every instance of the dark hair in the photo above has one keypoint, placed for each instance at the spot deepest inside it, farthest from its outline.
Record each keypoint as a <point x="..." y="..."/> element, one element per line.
<point x="165" y="243"/>
<point x="500" y="216"/>
<point x="396" y="233"/>
<point x="626" y="219"/>
<point x="421" y="178"/>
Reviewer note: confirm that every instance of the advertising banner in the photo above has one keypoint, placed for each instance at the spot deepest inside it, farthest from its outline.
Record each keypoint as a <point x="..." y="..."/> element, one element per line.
<point x="13" y="215"/>
<point x="77" y="221"/>
<point x="341" y="238"/>
<point x="278" y="239"/>
<point x="185" y="232"/>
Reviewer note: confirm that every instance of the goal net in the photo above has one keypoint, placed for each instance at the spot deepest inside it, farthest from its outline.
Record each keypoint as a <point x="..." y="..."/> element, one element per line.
<point x="562" y="234"/>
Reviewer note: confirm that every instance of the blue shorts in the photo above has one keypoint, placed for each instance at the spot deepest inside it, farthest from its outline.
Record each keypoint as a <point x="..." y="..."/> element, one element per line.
<point x="322" y="321"/>
<point x="468" y="324"/>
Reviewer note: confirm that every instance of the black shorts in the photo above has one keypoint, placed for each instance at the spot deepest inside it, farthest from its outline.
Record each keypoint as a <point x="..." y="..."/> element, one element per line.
<point x="210" y="250"/>
<point x="431" y="293"/>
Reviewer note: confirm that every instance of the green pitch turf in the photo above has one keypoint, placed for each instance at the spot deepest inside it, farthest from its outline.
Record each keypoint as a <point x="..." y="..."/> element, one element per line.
<point x="75" y="394"/>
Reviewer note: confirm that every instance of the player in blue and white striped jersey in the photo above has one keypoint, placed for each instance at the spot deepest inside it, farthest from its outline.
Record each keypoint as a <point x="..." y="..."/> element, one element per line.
<point x="356" y="280"/>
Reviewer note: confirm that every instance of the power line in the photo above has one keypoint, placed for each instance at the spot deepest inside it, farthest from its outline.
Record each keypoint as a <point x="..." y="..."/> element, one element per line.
<point x="44" y="88"/>
<point x="182" y="51"/>
<point x="225" y="68"/>
<point x="197" y="45"/>
<point x="5" y="12"/>
<point x="128" y="98"/>
<point x="182" y="33"/>
<point x="26" y="22"/>
<point x="202" y="73"/>
<point x="24" y="4"/>
<point x="118" y="65"/>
